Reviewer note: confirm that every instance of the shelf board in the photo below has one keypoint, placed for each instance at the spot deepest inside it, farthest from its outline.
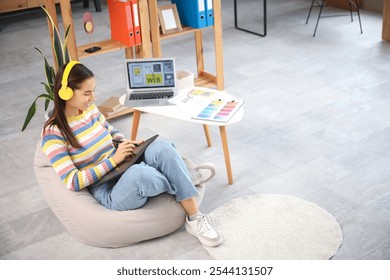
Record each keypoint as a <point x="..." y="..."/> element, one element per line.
<point x="206" y="79"/>
<point x="109" y="45"/>
<point x="186" y="30"/>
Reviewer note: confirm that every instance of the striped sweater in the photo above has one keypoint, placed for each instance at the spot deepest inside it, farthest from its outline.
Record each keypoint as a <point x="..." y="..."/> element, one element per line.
<point x="81" y="167"/>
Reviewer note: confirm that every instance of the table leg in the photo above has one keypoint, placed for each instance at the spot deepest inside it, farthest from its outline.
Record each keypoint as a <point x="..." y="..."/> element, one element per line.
<point x="225" y="147"/>
<point x="134" y="128"/>
<point x="207" y="134"/>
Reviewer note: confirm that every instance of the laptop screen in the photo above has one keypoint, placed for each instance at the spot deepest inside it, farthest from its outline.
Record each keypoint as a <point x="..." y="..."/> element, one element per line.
<point x="150" y="73"/>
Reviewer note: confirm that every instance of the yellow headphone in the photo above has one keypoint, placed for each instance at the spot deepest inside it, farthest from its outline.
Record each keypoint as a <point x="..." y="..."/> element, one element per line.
<point x="66" y="92"/>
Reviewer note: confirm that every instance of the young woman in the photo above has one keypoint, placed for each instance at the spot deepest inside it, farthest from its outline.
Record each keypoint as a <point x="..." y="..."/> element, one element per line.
<point x="79" y="143"/>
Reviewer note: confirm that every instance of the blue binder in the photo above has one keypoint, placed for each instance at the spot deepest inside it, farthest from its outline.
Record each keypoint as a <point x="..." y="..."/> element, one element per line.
<point x="191" y="12"/>
<point x="209" y="12"/>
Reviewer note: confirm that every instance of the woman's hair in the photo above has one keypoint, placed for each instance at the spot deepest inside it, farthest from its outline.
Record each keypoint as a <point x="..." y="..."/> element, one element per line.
<point x="78" y="74"/>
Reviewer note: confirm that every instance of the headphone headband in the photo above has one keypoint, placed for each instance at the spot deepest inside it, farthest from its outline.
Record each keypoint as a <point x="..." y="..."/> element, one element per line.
<point x="66" y="92"/>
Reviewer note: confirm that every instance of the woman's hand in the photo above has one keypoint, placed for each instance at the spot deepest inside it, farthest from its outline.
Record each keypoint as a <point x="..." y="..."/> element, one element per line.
<point x="124" y="150"/>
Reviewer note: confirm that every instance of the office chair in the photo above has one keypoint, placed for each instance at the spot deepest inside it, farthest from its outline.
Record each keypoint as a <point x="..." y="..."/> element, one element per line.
<point x="320" y="4"/>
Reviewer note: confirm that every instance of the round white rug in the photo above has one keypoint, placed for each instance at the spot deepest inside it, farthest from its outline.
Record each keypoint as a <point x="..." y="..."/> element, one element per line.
<point x="274" y="227"/>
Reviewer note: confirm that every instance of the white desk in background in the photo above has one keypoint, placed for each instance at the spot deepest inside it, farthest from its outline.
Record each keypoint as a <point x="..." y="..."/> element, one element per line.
<point x="385" y="20"/>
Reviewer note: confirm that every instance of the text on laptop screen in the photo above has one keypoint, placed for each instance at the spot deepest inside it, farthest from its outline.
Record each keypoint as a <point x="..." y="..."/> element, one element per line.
<point x="151" y="74"/>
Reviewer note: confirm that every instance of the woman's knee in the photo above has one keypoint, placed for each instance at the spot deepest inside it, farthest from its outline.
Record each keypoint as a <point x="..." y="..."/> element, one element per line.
<point x="127" y="193"/>
<point x="159" y="147"/>
<point x="137" y="173"/>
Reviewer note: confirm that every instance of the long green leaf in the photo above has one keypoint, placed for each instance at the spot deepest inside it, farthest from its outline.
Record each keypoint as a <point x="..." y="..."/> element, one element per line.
<point x="47" y="14"/>
<point x="30" y="114"/>
<point x="53" y="75"/>
<point x="49" y="91"/>
<point x="49" y="73"/>
<point x="44" y="95"/>
<point x="33" y="108"/>
<point x="46" y="64"/>
<point x="39" y="51"/>
<point x="59" y="55"/>
<point x="47" y="102"/>
<point x="50" y="76"/>
<point x="65" y="48"/>
<point x="57" y="43"/>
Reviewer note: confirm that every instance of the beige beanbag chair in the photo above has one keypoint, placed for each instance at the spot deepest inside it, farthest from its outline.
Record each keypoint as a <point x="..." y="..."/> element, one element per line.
<point x="91" y="223"/>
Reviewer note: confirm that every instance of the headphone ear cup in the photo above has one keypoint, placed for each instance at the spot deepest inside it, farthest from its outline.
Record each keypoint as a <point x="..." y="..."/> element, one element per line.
<point x="65" y="93"/>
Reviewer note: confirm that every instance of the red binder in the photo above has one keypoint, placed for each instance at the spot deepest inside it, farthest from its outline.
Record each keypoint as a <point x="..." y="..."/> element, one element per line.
<point x="121" y="21"/>
<point x="136" y="24"/>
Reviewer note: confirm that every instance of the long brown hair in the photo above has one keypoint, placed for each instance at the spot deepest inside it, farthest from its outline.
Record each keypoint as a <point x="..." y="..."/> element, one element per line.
<point x="78" y="74"/>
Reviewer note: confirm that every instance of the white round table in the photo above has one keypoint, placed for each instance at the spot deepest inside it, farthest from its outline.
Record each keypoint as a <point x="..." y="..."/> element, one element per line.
<point x="185" y="111"/>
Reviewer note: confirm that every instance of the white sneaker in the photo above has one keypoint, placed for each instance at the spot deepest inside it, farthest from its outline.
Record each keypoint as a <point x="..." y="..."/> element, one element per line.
<point x="202" y="173"/>
<point x="201" y="229"/>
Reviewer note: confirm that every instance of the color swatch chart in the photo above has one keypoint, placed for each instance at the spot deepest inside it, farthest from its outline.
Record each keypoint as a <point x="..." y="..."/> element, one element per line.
<point x="219" y="110"/>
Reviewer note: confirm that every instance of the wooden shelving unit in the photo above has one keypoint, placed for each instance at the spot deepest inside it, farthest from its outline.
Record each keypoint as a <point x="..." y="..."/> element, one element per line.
<point x="109" y="45"/>
<point x="186" y="30"/>
<point x="204" y="78"/>
<point x="151" y="45"/>
<point x="151" y="40"/>
<point x="18" y="5"/>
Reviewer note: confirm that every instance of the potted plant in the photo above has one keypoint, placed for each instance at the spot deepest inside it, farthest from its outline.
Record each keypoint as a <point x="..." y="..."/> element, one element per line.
<point x="61" y="57"/>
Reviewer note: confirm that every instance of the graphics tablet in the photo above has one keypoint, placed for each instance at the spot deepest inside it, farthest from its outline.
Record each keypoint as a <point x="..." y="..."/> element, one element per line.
<point x="121" y="168"/>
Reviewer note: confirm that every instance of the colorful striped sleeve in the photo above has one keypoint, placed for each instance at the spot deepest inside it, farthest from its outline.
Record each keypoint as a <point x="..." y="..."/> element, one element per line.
<point x="55" y="147"/>
<point x="115" y="134"/>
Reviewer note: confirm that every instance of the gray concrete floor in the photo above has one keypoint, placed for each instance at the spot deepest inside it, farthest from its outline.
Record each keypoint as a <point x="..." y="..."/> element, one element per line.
<point x="316" y="126"/>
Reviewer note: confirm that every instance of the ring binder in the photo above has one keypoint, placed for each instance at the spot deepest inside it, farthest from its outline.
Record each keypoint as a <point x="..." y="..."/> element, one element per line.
<point x="192" y="12"/>
<point x="121" y="22"/>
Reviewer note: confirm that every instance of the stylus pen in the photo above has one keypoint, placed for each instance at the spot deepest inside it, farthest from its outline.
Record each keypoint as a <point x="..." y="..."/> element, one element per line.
<point x="120" y="141"/>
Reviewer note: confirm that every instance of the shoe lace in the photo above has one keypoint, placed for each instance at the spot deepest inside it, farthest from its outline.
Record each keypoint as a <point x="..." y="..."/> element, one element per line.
<point x="196" y="176"/>
<point x="203" y="225"/>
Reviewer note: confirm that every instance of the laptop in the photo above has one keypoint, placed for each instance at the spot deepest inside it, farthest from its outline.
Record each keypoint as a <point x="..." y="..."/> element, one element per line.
<point x="121" y="168"/>
<point x="150" y="81"/>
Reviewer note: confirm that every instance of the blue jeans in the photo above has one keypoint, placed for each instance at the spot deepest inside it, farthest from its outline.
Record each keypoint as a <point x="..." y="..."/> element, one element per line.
<point x="162" y="171"/>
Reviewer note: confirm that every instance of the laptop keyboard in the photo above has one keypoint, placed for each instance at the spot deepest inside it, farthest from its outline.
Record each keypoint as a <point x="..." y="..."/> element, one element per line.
<point x="151" y="95"/>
